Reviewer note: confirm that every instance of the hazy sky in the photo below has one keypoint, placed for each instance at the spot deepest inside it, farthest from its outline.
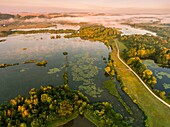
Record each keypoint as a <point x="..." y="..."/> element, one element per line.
<point x="84" y="5"/>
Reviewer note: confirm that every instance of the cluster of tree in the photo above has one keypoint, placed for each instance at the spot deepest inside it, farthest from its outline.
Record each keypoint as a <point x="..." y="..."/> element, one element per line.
<point x="7" y="65"/>
<point x="55" y="37"/>
<point x="147" y="76"/>
<point x="42" y="106"/>
<point x="162" y="30"/>
<point x="5" y="33"/>
<point x="6" y="16"/>
<point x="96" y="33"/>
<point x="17" y="16"/>
<point x="106" y="116"/>
<point x="38" y="63"/>
<point x="109" y="69"/>
<point x="161" y="94"/>
<point x="146" y="47"/>
<point x="60" y="31"/>
<point x="48" y="104"/>
<point x="30" y="16"/>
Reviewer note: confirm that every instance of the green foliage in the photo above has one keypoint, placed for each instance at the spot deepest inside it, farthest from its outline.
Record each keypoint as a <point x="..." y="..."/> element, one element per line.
<point x="96" y="33"/>
<point x="65" y="108"/>
<point x="60" y="31"/>
<point x="6" y="16"/>
<point x="50" y="104"/>
<point x="110" y="68"/>
<point x="136" y="64"/>
<point x="41" y="63"/>
<point x="37" y="108"/>
<point x="147" y="47"/>
<point x="102" y="115"/>
<point x="7" y="65"/>
<point x="149" y="78"/>
<point x="52" y="37"/>
<point x="58" y="36"/>
<point x="65" y="53"/>
<point x="38" y="63"/>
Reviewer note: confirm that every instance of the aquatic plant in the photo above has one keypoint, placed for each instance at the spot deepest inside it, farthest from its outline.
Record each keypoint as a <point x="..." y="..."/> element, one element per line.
<point x="53" y="70"/>
<point x="84" y="70"/>
<point x="91" y="90"/>
<point x="166" y="86"/>
<point x="23" y="70"/>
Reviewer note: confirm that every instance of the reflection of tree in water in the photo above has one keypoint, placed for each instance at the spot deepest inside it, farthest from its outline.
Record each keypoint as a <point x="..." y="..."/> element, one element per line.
<point x="80" y="121"/>
<point x="69" y="124"/>
<point x="84" y="70"/>
<point x="65" y="76"/>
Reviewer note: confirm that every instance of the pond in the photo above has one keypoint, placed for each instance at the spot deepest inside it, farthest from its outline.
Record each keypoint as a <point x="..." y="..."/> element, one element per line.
<point x="84" y="65"/>
<point x="162" y="75"/>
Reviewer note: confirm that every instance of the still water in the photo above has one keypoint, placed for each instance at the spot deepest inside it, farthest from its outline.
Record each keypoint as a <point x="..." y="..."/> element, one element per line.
<point x="85" y="68"/>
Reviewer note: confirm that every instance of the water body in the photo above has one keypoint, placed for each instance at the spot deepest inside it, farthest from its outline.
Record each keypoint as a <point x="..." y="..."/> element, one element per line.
<point x="79" y="122"/>
<point x="85" y="68"/>
<point x="162" y="75"/>
<point x="41" y="47"/>
<point x="108" y="21"/>
<point x="56" y="27"/>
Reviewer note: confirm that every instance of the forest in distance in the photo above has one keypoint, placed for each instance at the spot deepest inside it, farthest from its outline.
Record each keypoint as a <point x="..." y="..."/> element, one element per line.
<point x="78" y="89"/>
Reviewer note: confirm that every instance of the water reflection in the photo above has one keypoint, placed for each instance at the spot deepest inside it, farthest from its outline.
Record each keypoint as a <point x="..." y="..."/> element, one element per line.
<point x="20" y="79"/>
<point x="79" y="122"/>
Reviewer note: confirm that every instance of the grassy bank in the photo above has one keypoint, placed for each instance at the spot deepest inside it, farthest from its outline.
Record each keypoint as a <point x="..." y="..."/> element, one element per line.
<point x="157" y="113"/>
<point x="111" y="87"/>
<point x="89" y="115"/>
<point x="64" y="120"/>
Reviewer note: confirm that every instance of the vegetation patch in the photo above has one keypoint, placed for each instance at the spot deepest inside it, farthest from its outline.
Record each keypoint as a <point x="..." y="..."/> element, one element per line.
<point x="102" y="115"/>
<point x="53" y="71"/>
<point x="2" y="40"/>
<point x="91" y="90"/>
<point x="84" y="70"/>
<point x="8" y="65"/>
<point x="54" y="106"/>
<point x="166" y="86"/>
<point x="163" y="74"/>
<point x="23" y="70"/>
<point x="111" y="87"/>
<point x="135" y="89"/>
<point x="38" y="63"/>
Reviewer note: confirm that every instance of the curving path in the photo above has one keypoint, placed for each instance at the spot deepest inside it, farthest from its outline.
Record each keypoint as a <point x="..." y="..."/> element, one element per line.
<point x="140" y="78"/>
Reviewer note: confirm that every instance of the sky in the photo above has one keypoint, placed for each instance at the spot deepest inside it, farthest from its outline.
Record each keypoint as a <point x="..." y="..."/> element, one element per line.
<point x="111" y="6"/>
